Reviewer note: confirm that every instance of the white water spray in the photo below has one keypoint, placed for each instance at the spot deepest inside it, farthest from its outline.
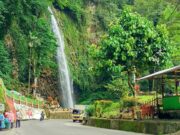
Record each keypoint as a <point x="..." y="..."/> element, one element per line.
<point x="66" y="86"/>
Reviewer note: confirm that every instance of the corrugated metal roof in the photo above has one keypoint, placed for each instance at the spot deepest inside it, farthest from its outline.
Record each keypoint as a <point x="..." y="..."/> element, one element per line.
<point x="162" y="72"/>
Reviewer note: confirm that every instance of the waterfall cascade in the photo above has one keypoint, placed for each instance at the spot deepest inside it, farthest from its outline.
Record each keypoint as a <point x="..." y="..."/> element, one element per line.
<point x="64" y="77"/>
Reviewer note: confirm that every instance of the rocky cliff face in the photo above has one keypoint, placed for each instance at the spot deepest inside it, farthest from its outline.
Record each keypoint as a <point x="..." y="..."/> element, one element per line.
<point x="48" y="86"/>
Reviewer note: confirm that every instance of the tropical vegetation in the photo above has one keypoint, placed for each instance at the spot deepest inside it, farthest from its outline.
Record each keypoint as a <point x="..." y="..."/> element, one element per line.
<point x="108" y="43"/>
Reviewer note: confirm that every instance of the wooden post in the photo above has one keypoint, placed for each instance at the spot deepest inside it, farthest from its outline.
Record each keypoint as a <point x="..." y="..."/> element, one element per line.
<point x="13" y="97"/>
<point x="26" y="102"/>
<point x="20" y="100"/>
<point x="162" y="86"/>
<point x="157" y="103"/>
<point x="176" y="83"/>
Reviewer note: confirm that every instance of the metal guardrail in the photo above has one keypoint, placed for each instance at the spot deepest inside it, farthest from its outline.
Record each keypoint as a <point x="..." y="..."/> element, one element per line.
<point x="152" y="107"/>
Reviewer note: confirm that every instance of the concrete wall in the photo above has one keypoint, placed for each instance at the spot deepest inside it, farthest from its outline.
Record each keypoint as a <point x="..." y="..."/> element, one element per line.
<point x="150" y="127"/>
<point x="60" y="115"/>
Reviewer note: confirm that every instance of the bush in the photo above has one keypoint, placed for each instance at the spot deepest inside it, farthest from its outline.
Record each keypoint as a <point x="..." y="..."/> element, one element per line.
<point x="107" y="109"/>
<point x="100" y="106"/>
<point x="104" y="109"/>
<point x="90" y="110"/>
<point x="112" y="107"/>
<point x="112" y="111"/>
<point x="111" y="114"/>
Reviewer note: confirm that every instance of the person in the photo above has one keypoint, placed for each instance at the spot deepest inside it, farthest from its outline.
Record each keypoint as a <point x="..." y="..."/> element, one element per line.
<point x="18" y="119"/>
<point x="10" y="116"/>
<point x="7" y="120"/>
<point x="29" y="112"/>
<point x="2" y="124"/>
<point x="42" y="116"/>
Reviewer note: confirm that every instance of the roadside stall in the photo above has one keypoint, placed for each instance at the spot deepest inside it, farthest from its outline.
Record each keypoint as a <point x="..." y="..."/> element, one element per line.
<point x="168" y="104"/>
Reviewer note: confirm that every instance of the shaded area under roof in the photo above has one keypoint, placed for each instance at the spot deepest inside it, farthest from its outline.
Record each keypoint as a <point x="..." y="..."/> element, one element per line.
<point x="170" y="73"/>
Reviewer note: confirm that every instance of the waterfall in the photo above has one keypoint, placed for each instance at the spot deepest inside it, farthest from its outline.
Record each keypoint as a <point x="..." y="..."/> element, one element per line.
<point x="64" y="77"/>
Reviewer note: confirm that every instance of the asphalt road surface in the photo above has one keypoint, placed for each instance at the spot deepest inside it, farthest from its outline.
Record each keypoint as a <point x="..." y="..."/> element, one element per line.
<point x="60" y="127"/>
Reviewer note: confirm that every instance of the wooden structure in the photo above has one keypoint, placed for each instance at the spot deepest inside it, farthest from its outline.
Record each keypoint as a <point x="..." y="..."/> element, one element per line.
<point x="169" y="102"/>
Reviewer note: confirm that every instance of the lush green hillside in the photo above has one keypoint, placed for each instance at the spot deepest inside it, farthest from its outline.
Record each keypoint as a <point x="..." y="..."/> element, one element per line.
<point x="27" y="44"/>
<point x="28" y="47"/>
<point x="87" y="22"/>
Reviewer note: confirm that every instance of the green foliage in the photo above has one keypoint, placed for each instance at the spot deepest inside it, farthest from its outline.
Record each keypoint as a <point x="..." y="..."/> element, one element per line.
<point x="90" y="110"/>
<point x="111" y="114"/>
<point x="105" y="109"/>
<point x="100" y="106"/>
<point x="2" y="91"/>
<point x="163" y="12"/>
<point x="151" y="9"/>
<point x="62" y="3"/>
<point x="119" y="87"/>
<point x="19" y="18"/>
<point x="43" y="46"/>
<point x="72" y="8"/>
<point x="106" y="11"/>
<point x="22" y="50"/>
<point x="88" y="97"/>
<point x="5" y="65"/>
<point x="112" y="111"/>
<point x="2" y="11"/>
<point x="131" y="41"/>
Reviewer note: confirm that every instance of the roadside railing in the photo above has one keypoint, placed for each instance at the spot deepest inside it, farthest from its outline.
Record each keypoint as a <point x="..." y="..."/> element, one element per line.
<point x="151" y="108"/>
<point x="24" y="100"/>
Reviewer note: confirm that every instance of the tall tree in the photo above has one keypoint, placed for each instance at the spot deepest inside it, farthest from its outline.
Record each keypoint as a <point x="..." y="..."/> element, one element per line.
<point x="133" y="41"/>
<point x="163" y="12"/>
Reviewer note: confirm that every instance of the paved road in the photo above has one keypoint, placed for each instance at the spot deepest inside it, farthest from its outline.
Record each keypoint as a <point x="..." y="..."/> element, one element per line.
<point x="60" y="127"/>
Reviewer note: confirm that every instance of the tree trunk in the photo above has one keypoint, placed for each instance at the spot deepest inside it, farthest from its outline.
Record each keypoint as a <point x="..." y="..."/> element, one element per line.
<point x="29" y="77"/>
<point x="35" y="86"/>
<point x="151" y="82"/>
<point x="35" y="78"/>
<point x="130" y="84"/>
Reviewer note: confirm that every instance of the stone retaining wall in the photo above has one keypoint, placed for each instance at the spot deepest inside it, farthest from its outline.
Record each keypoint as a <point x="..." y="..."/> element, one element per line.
<point x="60" y="115"/>
<point x="149" y="126"/>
